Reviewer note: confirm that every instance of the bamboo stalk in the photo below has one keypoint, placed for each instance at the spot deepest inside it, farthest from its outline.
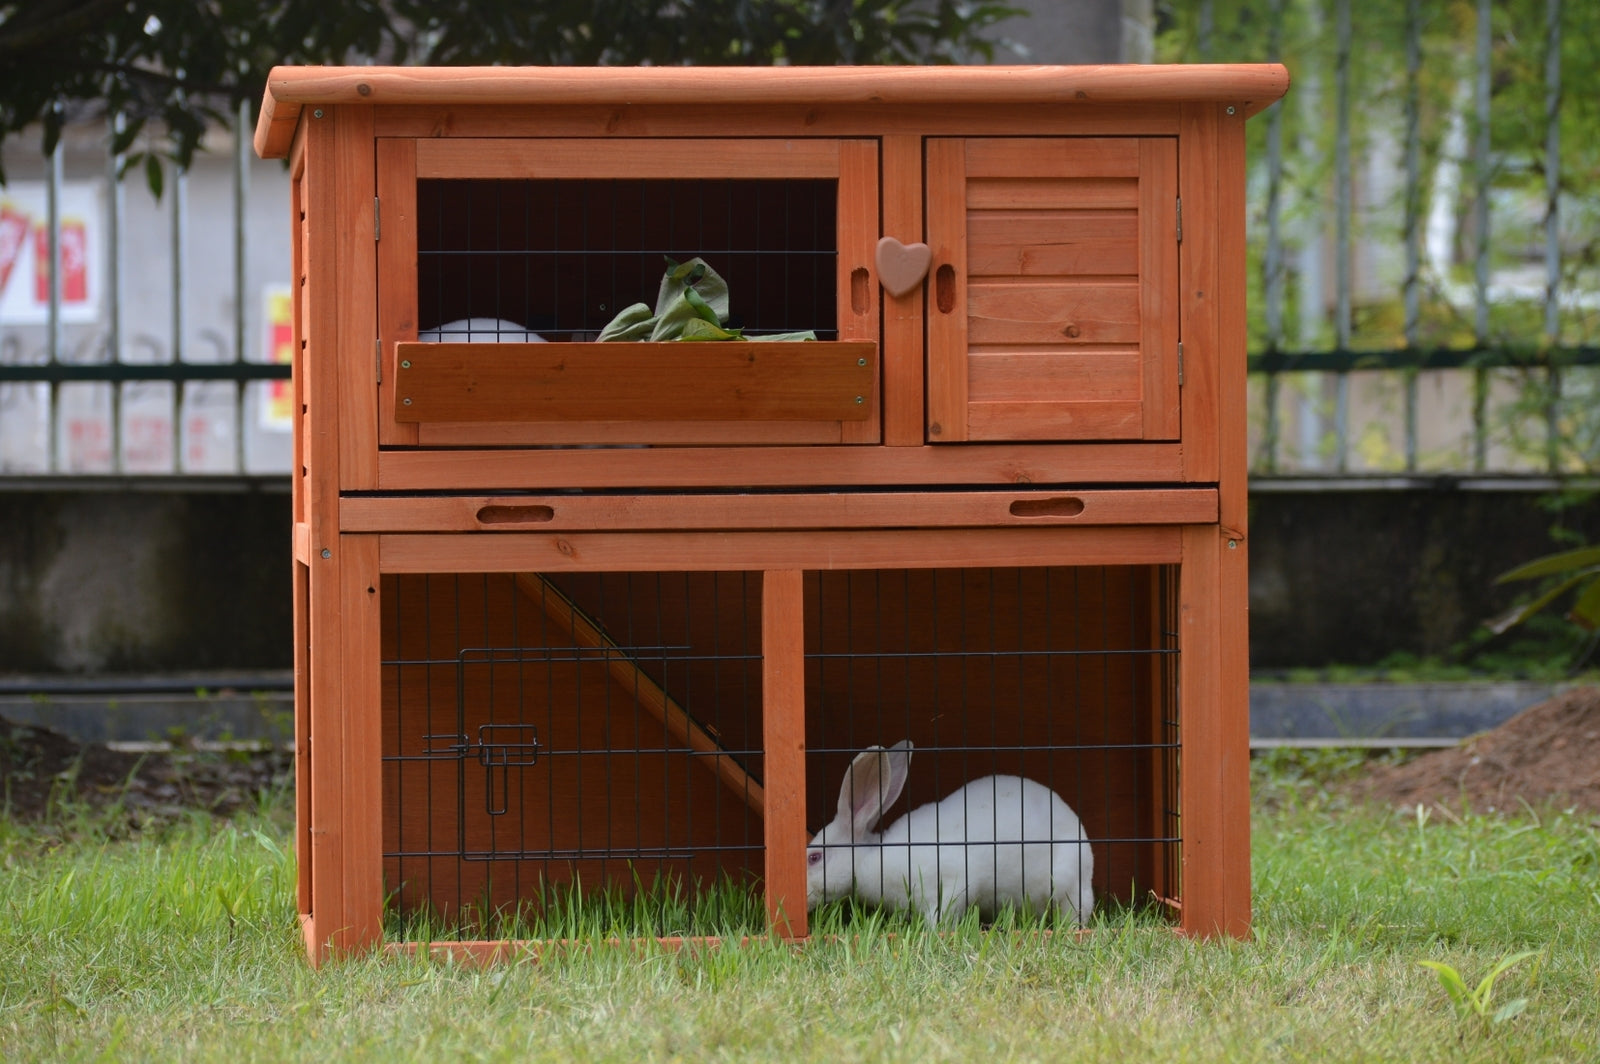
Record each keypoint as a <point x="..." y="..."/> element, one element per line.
<point x="626" y="671"/>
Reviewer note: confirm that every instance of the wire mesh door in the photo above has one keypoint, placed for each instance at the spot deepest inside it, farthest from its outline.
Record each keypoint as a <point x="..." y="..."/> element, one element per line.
<point x="588" y="733"/>
<point x="1065" y="678"/>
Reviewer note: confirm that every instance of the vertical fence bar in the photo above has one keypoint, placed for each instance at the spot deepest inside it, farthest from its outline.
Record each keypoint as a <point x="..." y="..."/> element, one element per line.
<point x="180" y="189"/>
<point x="1205" y="29"/>
<point x="116" y="204"/>
<point x="1342" y="237"/>
<point x="1552" y="224"/>
<point x="241" y="191"/>
<point x="1413" y="212"/>
<point x="1480" y="233"/>
<point x="53" y="313"/>
<point x="1272" y="263"/>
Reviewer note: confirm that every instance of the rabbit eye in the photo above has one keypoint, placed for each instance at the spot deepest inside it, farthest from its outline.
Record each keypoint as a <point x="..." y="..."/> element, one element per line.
<point x="814" y="857"/>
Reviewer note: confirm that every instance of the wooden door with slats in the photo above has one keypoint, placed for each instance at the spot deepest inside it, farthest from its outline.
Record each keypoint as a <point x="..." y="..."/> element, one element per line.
<point x="1053" y="290"/>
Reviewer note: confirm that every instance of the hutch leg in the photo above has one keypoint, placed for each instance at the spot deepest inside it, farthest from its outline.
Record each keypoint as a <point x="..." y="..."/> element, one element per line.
<point x="1214" y="770"/>
<point x="783" y="689"/>
<point x="341" y="814"/>
<point x="361" y="678"/>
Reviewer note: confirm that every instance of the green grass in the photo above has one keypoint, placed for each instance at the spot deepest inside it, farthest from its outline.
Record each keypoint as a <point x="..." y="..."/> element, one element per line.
<point x="183" y="945"/>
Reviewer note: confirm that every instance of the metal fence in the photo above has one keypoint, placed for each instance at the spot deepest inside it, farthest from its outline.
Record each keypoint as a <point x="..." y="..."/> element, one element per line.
<point x="115" y="363"/>
<point x="1424" y="298"/>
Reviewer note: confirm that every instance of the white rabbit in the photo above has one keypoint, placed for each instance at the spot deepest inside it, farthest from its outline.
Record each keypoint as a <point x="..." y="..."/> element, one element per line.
<point x="999" y="840"/>
<point x="482" y="330"/>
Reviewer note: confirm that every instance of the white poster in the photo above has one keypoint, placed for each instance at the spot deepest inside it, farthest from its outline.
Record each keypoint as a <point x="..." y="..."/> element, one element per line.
<point x="25" y="252"/>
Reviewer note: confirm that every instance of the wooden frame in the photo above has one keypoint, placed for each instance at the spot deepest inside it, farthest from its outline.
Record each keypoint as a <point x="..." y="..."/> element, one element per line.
<point x="1032" y="458"/>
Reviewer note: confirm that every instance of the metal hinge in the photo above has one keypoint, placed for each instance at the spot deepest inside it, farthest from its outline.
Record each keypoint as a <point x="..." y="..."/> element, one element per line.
<point x="377" y="222"/>
<point x="1180" y="219"/>
<point x="502" y="746"/>
<point x="1180" y="363"/>
<point x="377" y="354"/>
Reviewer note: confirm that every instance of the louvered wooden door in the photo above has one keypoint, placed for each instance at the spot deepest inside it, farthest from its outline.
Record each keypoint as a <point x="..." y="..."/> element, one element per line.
<point x="1053" y="293"/>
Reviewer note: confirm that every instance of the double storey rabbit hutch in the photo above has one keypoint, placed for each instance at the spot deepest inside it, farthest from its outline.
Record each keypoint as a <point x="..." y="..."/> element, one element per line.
<point x="582" y="614"/>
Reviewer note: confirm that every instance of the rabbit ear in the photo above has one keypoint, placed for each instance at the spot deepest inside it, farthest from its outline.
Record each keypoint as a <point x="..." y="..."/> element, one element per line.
<point x="871" y="784"/>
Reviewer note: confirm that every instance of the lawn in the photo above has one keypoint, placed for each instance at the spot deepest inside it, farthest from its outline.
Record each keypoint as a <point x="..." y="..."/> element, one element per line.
<point x="181" y="944"/>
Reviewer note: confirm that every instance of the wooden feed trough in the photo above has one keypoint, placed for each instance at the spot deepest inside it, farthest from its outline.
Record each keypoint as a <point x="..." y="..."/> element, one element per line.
<point x="575" y="614"/>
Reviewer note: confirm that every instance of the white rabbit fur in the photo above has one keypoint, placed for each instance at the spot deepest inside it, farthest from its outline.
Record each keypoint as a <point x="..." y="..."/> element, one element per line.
<point x="999" y="840"/>
<point x="481" y="330"/>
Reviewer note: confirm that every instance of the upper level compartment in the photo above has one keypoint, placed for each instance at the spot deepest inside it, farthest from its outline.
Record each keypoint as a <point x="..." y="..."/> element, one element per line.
<point x="989" y="259"/>
<point x="636" y="291"/>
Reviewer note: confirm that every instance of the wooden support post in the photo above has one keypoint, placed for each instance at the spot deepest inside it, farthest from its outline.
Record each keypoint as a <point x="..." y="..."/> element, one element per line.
<point x="361" y="744"/>
<point x="1214" y="727"/>
<point x="783" y="707"/>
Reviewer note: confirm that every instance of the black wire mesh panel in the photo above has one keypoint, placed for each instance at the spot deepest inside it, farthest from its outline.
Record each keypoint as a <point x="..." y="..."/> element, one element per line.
<point x="1066" y="677"/>
<point x="563" y="257"/>
<point x="594" y="731"/>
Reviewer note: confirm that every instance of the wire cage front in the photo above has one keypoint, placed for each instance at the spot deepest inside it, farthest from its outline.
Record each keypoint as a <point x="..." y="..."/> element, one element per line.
<point x="561" y="257"/>
<point x="588" y="732"/>
<point x="1065" y="677"/>
<point x="576" y="733"/>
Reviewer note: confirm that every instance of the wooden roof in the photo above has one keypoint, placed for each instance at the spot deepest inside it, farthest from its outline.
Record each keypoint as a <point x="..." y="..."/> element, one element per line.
<point x="1252" y="87"/>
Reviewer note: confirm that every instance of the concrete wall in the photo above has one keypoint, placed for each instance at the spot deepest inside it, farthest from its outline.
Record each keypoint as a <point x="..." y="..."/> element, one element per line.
<point x="167" y="581"/>
<point x="144" y="581"/>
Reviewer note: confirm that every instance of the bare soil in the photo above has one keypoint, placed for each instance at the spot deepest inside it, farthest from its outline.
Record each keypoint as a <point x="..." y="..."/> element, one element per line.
<point x="1549" y="754"/>
<point x="47" y="777"/>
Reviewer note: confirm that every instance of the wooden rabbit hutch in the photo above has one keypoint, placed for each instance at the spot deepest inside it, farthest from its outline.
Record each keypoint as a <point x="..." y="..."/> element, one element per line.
<point x="580" y="613"/>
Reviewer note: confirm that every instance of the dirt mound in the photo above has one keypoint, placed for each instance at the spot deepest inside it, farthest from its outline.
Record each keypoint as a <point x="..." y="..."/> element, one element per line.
<point x="1547" y="754"/>
<point x="43" y="774"/>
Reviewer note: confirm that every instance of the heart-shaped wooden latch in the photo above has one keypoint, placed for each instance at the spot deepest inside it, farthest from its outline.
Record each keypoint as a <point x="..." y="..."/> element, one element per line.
<point x="901" y="267"/>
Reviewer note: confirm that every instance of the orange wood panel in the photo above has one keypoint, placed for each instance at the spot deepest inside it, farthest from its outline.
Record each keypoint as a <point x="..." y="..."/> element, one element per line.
<point x="626" y="671"/>
<point x="1046" y="194"/>
<point x="782" y="120"/>
<point x="1052" y="243"/>
<point x="787" y="512"/>
<point x="1210" y="766"/>
<point x="1201" y="289"/>
<point x="1233" y="580"/>
<point x="904" y="424"/>
<point x="355" y="260"/>
<point x="626" y="433"/>
<point x="361" y="744"/>
<point x="783" y="707"/>
<point x="681" y="551"/>
<point x="1043" y="277"/>
<point x="397" y="274"/>
<point x="685" y="159"/>
<point x="831" y="381"/>
<point x="302" y="737"/>
<point x="1159" y="292"/>
<point x="297" y="384"/>
<point x="491" y="470"/>
<point x="1074" y="420"/>
<point x="1232" y="404"/>
<point x="1088" y="157"/>
<point x="1029" y="312"/>
<point x="320" y="448"/>
<point x="857" y="291"/>
<point x="1021" y="374"/>
<point x="947" y="290"/>
<point x="1250" y="87"/>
